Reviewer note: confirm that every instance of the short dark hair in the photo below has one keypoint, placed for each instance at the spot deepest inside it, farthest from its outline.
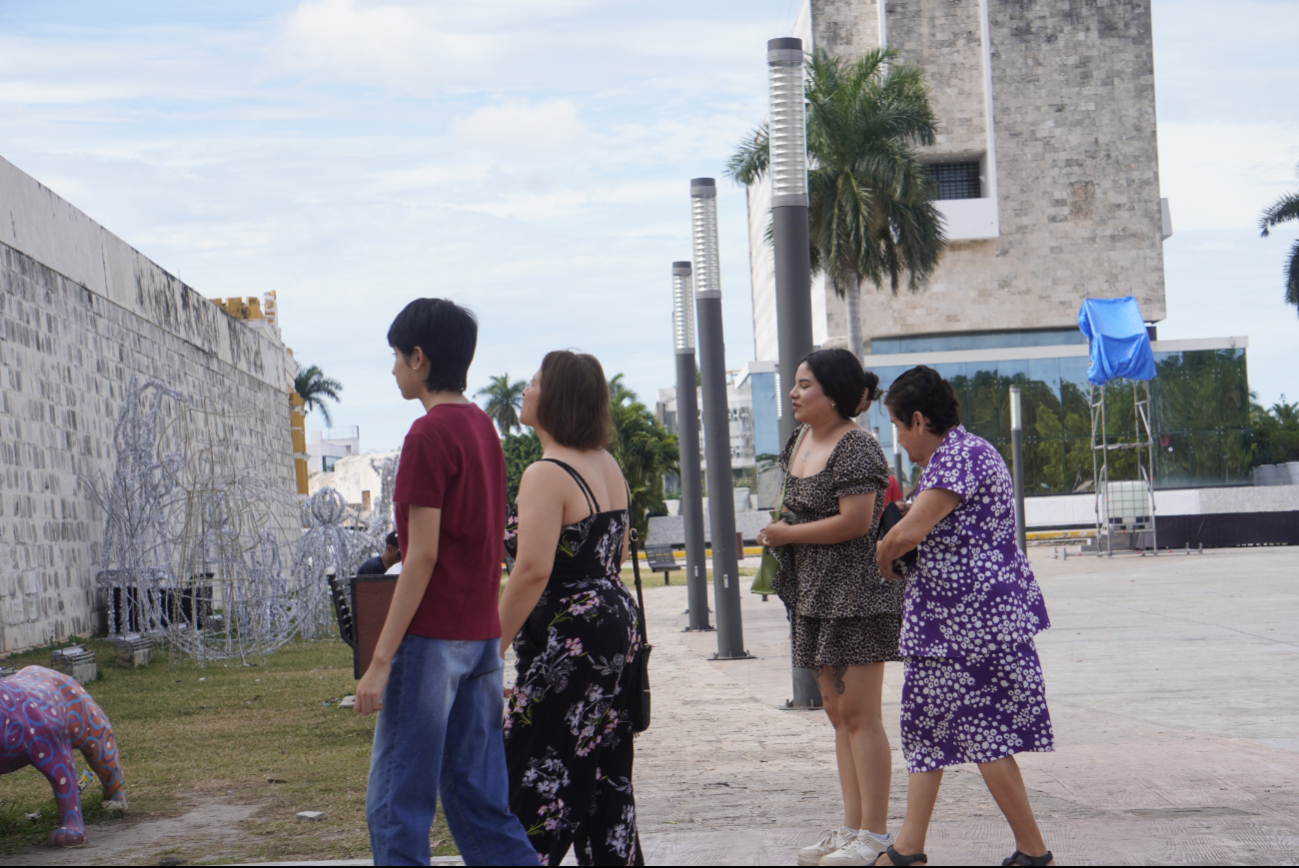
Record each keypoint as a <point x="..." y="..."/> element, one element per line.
<point x="448" y="335"/>
<point x="923" y="389"/>
<point x="842" y="379"/>
<point x="574" y="403"/>
<point x="391" y="540"/>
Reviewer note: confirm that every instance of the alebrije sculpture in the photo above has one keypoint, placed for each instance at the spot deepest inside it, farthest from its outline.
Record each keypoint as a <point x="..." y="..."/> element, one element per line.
<point x="44" y="716"/>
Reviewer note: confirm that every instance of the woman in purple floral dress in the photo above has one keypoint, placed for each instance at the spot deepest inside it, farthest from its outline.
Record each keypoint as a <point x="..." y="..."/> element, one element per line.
<point x="574" y="626"/>
<point x="973" y="690"/>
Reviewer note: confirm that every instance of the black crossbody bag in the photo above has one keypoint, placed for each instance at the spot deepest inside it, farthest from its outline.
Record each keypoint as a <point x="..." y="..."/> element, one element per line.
<point x="640" y="684"/>
<point x="891" y="516"/>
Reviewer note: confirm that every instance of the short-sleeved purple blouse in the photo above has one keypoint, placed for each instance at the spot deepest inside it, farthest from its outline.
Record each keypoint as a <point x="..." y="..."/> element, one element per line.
<point x="971" y="591"/>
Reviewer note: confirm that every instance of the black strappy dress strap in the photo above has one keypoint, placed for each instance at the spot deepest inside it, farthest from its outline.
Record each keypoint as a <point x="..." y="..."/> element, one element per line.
<point x="577" y="477"/>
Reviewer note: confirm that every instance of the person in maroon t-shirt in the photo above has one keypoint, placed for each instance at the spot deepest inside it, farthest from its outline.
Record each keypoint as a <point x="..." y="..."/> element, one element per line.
<point x="436" y="674"/>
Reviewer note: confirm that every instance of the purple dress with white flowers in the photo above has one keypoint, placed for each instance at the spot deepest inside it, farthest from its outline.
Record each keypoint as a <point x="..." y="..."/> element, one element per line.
<point x="973" y="690"/>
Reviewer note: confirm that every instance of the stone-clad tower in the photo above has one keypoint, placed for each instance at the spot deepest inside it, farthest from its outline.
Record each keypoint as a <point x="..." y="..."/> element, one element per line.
<point x="1046" y="159"/>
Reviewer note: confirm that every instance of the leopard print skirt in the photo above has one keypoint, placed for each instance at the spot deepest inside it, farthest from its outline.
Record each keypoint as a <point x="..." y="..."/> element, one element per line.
<point x="817" y="642"/>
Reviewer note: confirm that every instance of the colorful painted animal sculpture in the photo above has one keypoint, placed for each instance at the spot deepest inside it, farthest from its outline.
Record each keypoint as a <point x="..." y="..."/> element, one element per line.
<point x="44" y="716"/>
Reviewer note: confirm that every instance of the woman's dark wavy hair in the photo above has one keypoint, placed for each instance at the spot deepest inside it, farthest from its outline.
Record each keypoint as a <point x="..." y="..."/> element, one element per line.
<point x="573" y="406"/>
<point x="842" y="379"/>
<point x="923" y="389"/>
<point x="448" y="335"/>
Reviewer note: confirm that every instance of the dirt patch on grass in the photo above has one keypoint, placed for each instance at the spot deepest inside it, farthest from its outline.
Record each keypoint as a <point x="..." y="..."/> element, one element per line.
<point x="200" y="835"/>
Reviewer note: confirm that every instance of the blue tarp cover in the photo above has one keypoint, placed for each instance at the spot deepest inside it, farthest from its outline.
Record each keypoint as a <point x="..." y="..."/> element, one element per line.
<point x="1120" y="345"/>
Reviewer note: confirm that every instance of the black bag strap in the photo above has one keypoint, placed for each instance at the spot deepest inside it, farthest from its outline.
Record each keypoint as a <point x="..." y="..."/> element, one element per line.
<point x="591" y="502"/>
<point x="640" y="597"/>
<point x="634" y="537"/>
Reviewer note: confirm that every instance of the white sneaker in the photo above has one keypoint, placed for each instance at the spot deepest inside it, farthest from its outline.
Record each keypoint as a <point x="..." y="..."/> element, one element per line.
<point x="832" y="841"/>
<point x="862" y="850"/>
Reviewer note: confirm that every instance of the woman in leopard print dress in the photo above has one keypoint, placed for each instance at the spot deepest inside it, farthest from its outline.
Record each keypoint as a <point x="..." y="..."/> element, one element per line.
<point x="844" y="619"/>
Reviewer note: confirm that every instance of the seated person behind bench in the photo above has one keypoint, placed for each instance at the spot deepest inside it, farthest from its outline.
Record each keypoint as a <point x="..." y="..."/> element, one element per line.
<point x="381" y="563"/>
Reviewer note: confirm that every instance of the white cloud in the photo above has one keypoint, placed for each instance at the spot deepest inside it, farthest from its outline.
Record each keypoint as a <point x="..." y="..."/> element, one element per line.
<point x="376" y="44"/>
<point x="1221" y="176"/>
<point x="521" y="127"/>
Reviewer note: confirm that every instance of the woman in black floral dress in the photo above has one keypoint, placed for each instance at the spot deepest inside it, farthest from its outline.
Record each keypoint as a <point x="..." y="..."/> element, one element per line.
<point x="574" y="626"/>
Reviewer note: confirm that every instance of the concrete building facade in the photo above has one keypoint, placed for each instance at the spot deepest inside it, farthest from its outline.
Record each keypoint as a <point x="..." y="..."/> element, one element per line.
<point x="1046" y="156"/>
<point x="81" y="313"/>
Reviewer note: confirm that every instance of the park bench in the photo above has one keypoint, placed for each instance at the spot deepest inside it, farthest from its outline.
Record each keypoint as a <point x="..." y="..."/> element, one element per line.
<point x="343" y="611"/>
<point x="660" y="557"/>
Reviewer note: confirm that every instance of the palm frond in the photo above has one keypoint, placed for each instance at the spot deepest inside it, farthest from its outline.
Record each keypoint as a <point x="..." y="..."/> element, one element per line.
<point x="1292" y="277"/>
<point x="751" y="158"/>
<point x="1285" y="209"/>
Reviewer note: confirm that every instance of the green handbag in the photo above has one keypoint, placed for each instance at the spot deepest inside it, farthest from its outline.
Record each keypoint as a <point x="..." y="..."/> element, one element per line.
<point x="762" y="582"/>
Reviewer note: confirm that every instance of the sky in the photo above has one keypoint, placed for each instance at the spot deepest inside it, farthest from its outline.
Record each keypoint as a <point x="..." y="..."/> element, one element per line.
<point x="531" y="159"/>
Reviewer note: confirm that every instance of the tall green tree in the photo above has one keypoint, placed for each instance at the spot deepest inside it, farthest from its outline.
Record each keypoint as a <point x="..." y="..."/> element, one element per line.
<point x="314" y="387"/>
<point x="521" y="451"/>
<point x="644" y="449"/>
<point x="870" y="210"/>
<point x="1285" y="209"/>
<point x="504" y="399"/>
<point x="1274" y="433"/>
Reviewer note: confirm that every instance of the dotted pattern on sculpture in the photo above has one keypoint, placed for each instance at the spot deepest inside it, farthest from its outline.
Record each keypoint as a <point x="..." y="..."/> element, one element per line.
<point x="44" y="716"/>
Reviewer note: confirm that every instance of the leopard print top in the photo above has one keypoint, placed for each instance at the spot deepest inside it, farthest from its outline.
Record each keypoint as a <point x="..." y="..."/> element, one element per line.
<point x="841" y="580"/>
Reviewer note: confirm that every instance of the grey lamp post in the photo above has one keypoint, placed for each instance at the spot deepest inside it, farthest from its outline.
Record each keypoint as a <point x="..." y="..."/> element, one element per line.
<point x="692" y="486"/>
<point x="897" y="459"/>
<point x="1017" y="450"/>
<point x="717" y="423"/>
<point x="792" y="254"/>
<point x="787" y="123"/>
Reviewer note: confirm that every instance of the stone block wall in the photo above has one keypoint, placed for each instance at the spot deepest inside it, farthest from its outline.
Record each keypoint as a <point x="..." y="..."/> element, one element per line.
<point x="80" y="314"/>
<point x="1077" y="169"/>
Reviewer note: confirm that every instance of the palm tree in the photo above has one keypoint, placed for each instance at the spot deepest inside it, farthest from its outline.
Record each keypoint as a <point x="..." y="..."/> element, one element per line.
<point x="1286" y="208"/>
<point x="314" y="387"/>
<point x="503" y="401"/>
<point x="870" y="209"/>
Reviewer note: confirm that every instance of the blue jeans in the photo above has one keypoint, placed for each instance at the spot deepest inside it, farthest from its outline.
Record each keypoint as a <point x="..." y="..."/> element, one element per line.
<point x="440" y="730"/>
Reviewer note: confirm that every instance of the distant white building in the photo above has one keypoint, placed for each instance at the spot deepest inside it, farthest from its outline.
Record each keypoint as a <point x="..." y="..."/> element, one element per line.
<point x="356" y="477"/>
<point x="327" y="447"/>
<point x="751" y="405"/>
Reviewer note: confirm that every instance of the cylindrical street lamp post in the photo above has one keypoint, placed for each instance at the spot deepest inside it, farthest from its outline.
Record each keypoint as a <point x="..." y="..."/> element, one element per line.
<point x="897" y="460"/>
<point x="717" y="423"/>
<point x="787" y="125"/>
<point x="1017" y="450"/>
<point x="692" y="486"/>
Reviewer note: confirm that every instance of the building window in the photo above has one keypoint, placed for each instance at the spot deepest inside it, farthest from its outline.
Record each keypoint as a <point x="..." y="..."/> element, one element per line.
<point x="956" y="180"/>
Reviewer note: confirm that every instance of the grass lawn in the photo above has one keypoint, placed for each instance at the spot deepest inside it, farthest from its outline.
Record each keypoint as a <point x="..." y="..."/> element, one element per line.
<point x="268" y="735"/>
<point x="655" y="580"/>
<point x="191" y="735"/>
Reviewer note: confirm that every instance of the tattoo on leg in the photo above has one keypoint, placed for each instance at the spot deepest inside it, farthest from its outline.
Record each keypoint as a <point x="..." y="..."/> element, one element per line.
<point x="838" y="672"/>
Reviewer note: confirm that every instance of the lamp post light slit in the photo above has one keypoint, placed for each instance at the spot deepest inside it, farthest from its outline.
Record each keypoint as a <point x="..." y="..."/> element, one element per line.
<point x="717" y="425"/>
<point x="791" y="254"/>
<point x="692" y="488"/>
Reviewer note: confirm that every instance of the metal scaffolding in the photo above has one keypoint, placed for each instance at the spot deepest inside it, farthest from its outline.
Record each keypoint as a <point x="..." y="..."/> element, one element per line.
<point x="1124" y="506"/>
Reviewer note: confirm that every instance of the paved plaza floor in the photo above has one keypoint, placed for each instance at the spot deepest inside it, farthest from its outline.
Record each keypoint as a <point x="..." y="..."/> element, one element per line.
<point x="1172" y="686"/>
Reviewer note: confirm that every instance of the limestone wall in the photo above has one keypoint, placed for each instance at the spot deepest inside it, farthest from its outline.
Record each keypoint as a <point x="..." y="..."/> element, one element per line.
<point x="81" y="312"/>
<point x="1076" y="163"/>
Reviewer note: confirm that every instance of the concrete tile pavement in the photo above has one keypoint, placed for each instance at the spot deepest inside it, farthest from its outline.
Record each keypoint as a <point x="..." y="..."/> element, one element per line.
<point x="1173" y="692"/>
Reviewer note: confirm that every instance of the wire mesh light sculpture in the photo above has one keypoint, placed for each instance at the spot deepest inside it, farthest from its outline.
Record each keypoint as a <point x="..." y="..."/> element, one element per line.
<point x="199" y="527"/>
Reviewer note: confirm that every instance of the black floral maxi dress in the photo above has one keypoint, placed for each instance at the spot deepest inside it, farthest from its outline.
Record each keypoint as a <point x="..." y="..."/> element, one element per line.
<point x="568" y="737"/>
